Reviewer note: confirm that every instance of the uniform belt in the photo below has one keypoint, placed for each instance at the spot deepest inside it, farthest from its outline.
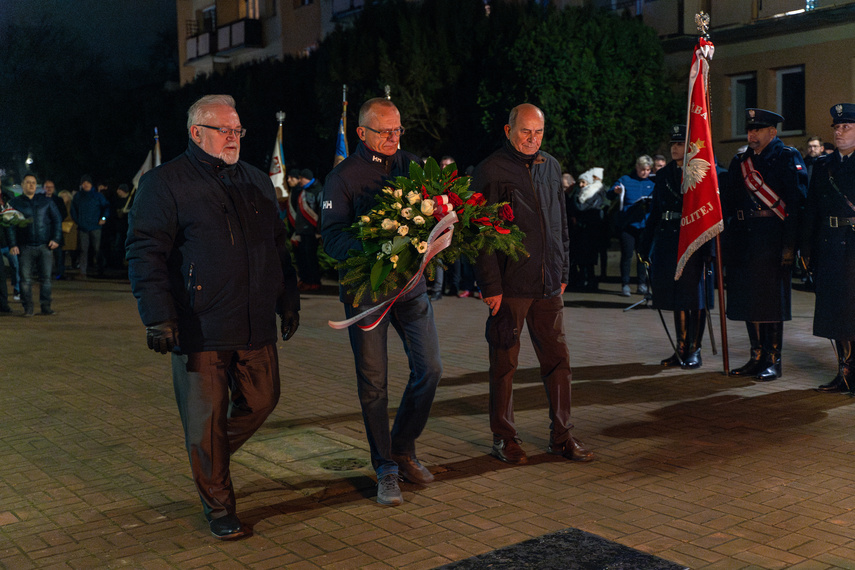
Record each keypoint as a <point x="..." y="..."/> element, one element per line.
<point x="835" y="222"/>
<point x="672" y="215"/>
<point x="742" y="214"/>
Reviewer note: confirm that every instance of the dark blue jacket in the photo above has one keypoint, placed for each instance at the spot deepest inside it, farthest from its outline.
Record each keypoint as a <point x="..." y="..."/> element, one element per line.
<point x="755" y="244"/>
<point x="206" y="247"/>
<point x="532" y="186"/>
<point x="46" y="226"/>
<point x="87" y="209"/>
<point x="830" y="244"/>
<point x="349" y="192"/>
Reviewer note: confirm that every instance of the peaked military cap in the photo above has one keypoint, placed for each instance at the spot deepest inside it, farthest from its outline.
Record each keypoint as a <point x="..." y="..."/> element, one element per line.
<point x="842" y="113"/>
<point x="761" y="118"/>
<point x="678" y="133"/>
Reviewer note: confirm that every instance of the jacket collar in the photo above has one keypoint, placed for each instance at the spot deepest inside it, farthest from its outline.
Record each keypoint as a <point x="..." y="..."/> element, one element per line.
<point x="528" y="159"/>
<point x="374" y="158"/>
<point x="211" y="163"/>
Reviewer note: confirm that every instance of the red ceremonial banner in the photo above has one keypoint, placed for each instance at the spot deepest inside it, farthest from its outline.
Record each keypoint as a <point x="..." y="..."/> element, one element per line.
<point x="702" y="216"/>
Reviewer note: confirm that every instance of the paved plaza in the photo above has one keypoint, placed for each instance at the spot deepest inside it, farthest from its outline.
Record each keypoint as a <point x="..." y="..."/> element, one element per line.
<point x="698" y="468"/>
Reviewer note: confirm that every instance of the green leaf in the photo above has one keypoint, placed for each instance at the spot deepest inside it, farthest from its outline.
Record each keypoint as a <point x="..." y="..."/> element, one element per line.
<point x="406" y="258"/>
<point x="379" y="272"/>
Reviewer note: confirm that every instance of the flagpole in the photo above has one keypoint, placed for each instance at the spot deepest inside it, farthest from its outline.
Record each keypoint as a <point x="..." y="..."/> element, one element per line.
<point x="344" y="113"/>
<point x="703" y="22"/>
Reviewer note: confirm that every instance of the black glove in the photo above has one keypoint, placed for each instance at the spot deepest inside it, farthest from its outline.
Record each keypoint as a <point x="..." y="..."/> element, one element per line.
<point x="290" y="323"/>
<point x="162" y="337"/>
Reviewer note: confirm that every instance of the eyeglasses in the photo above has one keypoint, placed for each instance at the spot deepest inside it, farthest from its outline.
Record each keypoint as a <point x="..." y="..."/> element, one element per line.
<point x="237" y="133"/>
<point x="387" y="133"/>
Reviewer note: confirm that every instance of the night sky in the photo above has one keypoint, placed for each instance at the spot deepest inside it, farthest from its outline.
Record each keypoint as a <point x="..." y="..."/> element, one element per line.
<point x="122" y="31"/>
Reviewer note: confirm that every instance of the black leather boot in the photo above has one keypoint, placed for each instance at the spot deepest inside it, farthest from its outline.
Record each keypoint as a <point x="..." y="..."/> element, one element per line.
<point x="681" y="331"/>
<point x="697" y="324"/>
<point x="753" y="366"/>
<point x="847" y="370"/>
<point x="837" y="384"/>
<point x="773" y="338"/>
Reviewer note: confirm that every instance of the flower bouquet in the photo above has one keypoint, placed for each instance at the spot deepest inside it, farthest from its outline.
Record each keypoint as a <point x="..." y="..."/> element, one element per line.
<point x="12" y="218"/>
<point x="400" y="232"/>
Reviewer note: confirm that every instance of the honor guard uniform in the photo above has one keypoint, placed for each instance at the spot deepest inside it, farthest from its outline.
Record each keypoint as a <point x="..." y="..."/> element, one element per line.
<point x="691" y="295"/>
<point x="829" y="242"/>
<point x="766" y="187"/>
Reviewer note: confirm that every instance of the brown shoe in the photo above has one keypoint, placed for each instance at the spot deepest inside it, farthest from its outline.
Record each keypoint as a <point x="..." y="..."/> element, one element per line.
<point x="509" y="451"/>
<point x="572" y="449"/>
<point x="410" y="469"/>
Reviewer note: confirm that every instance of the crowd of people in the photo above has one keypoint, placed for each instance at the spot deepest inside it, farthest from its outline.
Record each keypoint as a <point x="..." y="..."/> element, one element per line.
<point x="209" y="258"/>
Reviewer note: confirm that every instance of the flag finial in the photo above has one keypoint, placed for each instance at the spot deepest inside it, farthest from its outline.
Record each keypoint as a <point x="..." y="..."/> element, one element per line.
<point x="280" y="116"/>
<point x="703" y="21"/>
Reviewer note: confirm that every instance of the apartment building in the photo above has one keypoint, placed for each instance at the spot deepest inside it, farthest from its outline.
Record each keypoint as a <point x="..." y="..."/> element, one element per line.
<point x="795" y="57"/>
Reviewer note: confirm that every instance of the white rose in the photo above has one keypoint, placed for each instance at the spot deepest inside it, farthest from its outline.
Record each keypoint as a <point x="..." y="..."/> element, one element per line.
<point x="422" y="247"/>
<point x="397" y="205"/>
<point x="398" y="193"/>
<point x="388" y="224"/>
<point x="407" y="213"/>
<point x="428" y="207"/>
<point x="386" y="247"/>
<point x="365" y="219"/>
<point x="419" y="220"/>
<point x="403" y="230"/>
<point x="414" y="198"/>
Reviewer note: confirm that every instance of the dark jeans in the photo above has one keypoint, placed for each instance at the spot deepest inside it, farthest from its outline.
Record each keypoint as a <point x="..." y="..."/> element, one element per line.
<point x="546" y="327"/>
<point x="223" y="398"/>
<point x="413" y="321"/>
<point x="85" y="240"/>
<point x="308" y="267"/>
<point x="35" y="258"/>
<point x="15" y="268"/>
<point x="628" y="239"/>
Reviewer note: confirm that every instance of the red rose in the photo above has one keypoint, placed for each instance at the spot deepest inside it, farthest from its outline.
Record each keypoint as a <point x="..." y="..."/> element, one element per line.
<point x="454" y="200"/>
<point x="477" y="199"/>
<point x="506" y="213"/>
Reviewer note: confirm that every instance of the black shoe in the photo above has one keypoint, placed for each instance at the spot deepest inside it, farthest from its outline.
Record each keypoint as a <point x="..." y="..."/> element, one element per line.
<point x="227" y="527"/>
<point x="671" y="362"/>
<point x="47" y="311"/>
<point x="27" y="313"/>
<point x="836" y="385"/>
<point x="435" y="296"/>
<point x="693" y="360"/>
<point x="751" y="368"/>
<point x="769" y="372"/>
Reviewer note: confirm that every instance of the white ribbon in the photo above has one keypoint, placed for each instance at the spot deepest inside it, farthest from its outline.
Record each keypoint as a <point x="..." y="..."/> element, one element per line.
<point x="437" y="240"/>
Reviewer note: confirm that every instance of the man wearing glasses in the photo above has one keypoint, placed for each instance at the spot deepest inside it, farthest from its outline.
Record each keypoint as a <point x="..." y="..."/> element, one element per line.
<point x="210" y="268"/>
<point x="349" y="192"/>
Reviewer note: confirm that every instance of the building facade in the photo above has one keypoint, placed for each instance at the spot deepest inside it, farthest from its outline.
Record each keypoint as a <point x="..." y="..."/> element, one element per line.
<point x="795" y="57"/>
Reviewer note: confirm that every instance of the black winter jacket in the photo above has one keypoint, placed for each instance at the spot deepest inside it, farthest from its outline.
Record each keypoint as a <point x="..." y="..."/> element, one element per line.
<point x="532" y="186"/>
<point x="206" y="246"/>
<point x="46" y="226"/>
<point x="349" y="192"/>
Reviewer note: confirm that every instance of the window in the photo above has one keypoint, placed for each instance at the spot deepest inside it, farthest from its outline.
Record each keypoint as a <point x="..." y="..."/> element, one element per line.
<point x="790" y="85"/>
<point x="743" y="95"/>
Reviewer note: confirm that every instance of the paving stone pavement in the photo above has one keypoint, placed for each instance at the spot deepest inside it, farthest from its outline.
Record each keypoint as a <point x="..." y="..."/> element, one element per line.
<point x="698" y="468"/>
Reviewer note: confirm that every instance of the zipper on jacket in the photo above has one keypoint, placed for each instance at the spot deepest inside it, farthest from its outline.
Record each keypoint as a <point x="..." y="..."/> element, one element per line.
<point x="229" y="224"/>
<point x="542" y="231"/>
<point x="191" y="285"/>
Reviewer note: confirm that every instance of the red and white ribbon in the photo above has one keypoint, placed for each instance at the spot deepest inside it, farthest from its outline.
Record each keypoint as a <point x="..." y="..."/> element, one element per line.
<point x="438" y="240"/>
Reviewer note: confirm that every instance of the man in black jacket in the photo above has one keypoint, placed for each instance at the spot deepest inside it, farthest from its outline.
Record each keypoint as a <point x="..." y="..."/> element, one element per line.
<point x="529" y="289"/>
<point x="34" y="243"/>
<point x="349" y="192"/>
<point x="210" y="268"/>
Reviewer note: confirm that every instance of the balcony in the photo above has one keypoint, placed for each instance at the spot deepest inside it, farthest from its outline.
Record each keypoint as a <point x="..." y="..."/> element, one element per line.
<point x="226" y="39"/>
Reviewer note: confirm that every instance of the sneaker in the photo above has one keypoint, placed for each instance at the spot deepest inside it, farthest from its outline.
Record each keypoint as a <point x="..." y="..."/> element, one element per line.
<point x="642" y="290"/>
<point x="463" y="294"/>
<point x="624" y="291"/>
<point x="388" y="491"/>
<point x="412" y="470"/>
<point x="509" y="451"/>
<point x="571" y="449"/>
<point x="17" y="297"/>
